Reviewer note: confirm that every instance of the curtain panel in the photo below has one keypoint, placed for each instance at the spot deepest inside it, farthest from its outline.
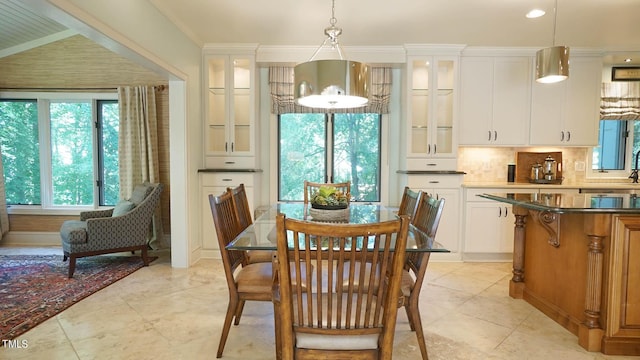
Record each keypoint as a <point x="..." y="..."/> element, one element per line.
<point x="282" y="93"/>
<point x="620" y="101"/>
<point x="4" y="216"/>
<point x="138" y="147"/>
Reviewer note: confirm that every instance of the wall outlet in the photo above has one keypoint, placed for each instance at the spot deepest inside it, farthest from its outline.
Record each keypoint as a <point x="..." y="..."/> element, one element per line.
<point x="579" y="166"/>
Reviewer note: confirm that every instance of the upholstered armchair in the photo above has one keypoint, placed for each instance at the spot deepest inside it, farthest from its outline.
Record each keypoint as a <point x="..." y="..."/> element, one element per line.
<point x="123" y="228"/>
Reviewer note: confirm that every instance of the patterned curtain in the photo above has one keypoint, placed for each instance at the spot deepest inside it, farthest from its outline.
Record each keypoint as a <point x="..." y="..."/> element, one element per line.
<point x="282" y="102"/>
<point x="4" y="217"/>
<point x="138" y="147"/>
<point x="620" y="101"/>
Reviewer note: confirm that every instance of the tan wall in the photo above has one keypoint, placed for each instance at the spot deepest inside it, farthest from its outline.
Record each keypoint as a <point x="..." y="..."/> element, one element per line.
<point x="74" y="63"/>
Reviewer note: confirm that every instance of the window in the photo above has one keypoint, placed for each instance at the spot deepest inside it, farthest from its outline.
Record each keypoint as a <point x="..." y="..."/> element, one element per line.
<point x="617" y="150"/>
<point x="329" y="148"/>
<point x="60" y="150"/>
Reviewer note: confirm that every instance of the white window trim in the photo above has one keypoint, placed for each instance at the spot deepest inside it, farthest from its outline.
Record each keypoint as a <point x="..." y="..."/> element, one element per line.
<point x="46" y="207"/>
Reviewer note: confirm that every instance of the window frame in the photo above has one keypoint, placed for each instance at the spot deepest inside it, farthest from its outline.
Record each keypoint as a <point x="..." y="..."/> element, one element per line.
<point x="329" y="119"/>
<point x="44" y="99"/>
<point x="629" y="161"/>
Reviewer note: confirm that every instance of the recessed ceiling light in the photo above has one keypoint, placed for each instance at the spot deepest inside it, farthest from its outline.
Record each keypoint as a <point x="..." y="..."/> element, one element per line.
<point x="627" y="60"/>
<point x="535" y="13"/>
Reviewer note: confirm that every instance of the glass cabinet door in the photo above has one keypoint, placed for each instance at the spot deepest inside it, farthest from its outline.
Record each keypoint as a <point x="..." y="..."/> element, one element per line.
<point x="230" y="105"/>
<point x="444" y="107"/>
<point x="431" y="102"/>
<point x="241" y="105"/>
<point x="217" y="108"/>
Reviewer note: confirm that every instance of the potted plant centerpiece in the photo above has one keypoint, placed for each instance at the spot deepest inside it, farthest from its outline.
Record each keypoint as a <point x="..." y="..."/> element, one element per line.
<point x="329" y="198"/>
<point x="329" y="204"/>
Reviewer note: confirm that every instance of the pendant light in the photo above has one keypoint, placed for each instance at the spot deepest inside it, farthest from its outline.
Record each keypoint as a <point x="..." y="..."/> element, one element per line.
<point x="552" y="64"/>
<point x="331" y="84"/>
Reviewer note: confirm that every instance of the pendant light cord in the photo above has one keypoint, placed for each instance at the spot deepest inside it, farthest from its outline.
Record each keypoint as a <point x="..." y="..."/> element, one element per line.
<point x="555" y="20"/>
<point x="332" y="32"/>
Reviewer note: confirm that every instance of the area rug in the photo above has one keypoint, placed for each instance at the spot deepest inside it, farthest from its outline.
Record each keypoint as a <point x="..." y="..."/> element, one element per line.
<point x="33" y="288"/>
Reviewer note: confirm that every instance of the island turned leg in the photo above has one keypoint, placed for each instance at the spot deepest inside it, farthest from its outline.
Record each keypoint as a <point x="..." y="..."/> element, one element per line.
<point x="590" y="332"/>
<point x="516" y="285"/>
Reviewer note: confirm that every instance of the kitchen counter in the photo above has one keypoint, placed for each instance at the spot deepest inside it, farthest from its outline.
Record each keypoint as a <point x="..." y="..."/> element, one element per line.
<point x="576" y="258"/>
<point x="572" y="203"/>
<point x="565" y="185"/>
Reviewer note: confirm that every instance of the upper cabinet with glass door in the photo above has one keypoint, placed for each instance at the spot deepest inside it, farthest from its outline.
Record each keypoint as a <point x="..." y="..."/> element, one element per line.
<point x="230" y="111"/>
<point x="432" y="93"/>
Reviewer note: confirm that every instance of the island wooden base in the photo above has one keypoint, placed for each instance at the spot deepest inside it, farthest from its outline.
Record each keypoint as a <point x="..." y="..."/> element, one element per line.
<point x="583" y="271"/>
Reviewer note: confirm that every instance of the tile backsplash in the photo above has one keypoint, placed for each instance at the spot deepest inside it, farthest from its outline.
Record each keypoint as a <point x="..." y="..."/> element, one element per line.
<point x="484" y="164"/>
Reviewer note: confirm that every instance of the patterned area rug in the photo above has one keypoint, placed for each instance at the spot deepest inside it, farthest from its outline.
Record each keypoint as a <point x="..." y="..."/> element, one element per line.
<point x="34" y="288"/>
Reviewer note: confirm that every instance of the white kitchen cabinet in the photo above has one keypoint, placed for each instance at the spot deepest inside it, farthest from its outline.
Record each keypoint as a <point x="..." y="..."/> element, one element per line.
<point x="494" y="100"/>
<point x="431" y="103"/>
<point x="447" y="187"/>
<point x="489" y="224"/>
<point x="216" y="183"/>
<point x="230" y="107"/>
<point x="568" y="113"/>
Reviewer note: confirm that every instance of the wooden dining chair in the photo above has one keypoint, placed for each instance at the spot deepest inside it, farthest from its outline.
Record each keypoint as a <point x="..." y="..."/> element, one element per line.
<point x="425" y="221"/>
<point x="408" y="202"/>
<point x="249" y="282"/>
<point x="325" y="320"/>
<point x="243" y="213"/>
<point x="311" y="187"/>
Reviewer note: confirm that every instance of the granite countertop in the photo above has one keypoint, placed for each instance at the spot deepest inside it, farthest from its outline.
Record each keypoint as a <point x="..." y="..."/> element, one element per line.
<point x="572" y="203"/>
<point x="566" y="185"/>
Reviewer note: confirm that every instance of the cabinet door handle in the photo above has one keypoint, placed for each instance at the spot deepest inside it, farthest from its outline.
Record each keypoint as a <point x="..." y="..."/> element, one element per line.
<point x="435" y="149"/>
<point x="227" y="179"/>
<point x="506" y="211"/>
<point x="561" y="135"/>
<point x="226" y="147"/>
<point x="231" y="147"/>
<point x="489" y="138"/>
<point x="229" y="162"/>
<point x="568" y="136"/>
<point x="500" y="212"/>
<point x="432" y="164"/>
<point x="429" y="149"/>
<point x="495" y="135"/>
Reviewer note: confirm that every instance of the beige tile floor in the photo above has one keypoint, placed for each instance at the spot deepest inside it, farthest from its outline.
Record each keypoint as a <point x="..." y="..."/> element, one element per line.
<point x="160" y="312"/>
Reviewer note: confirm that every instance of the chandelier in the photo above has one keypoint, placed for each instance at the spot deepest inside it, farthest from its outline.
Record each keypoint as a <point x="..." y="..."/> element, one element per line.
<point x="331" y="84"/>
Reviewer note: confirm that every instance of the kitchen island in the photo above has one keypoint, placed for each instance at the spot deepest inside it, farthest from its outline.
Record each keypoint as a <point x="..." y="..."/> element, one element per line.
<point x="576" y="258"/>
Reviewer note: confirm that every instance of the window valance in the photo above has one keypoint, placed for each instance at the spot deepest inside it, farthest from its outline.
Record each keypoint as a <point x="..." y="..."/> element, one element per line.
<point x="282" y="84"/>
<point x="620" y="101"/>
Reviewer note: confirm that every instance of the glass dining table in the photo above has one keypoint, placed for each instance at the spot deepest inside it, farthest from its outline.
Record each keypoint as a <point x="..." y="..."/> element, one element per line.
<point x="261" y="235"/>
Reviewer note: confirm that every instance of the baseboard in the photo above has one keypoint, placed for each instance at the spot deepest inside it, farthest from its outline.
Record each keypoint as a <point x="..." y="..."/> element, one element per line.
<point x="31" y="238"/>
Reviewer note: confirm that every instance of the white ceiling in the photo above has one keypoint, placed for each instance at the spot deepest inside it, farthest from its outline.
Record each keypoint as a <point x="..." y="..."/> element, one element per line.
<point x="609" y="25"/>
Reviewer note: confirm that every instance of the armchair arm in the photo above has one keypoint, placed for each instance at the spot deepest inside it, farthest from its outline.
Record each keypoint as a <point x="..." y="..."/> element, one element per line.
<point x="95" y="214"/>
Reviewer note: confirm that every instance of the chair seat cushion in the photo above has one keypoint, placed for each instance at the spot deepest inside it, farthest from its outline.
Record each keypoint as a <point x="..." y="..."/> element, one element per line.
<point x="255" y="278"/>
<point x="334" y="342"/>
<point x="74" y="232"/>
<point x="258" y="277"/>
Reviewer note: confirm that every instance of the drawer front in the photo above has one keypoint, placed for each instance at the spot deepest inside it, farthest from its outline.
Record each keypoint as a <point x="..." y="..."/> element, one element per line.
<point x="432" y="164"/>
<point x="434" y="181"/>
<point x="238" y="162"/>
<point x="227" y="179"/>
